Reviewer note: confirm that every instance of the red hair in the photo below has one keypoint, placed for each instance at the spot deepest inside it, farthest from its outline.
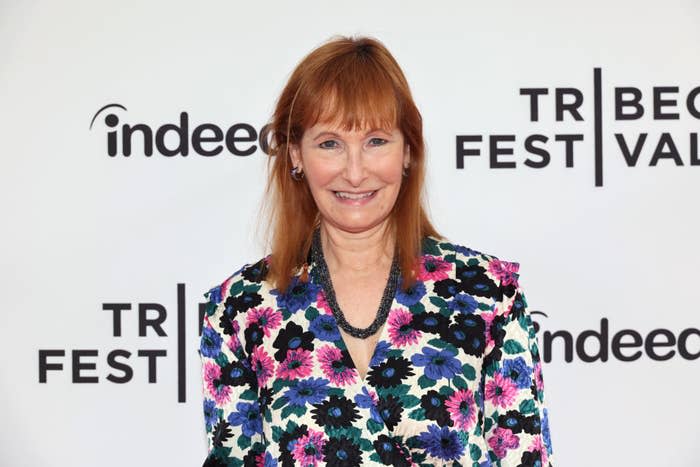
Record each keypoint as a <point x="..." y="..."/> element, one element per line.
<point x="358" y="82"/>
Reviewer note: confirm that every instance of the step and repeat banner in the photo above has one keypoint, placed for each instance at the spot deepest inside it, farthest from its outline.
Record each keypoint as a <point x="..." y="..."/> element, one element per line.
<point x="563" y="137"/>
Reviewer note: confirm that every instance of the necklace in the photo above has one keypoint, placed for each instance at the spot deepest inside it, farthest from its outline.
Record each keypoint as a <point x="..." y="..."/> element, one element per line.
<point x="325" y="280"/>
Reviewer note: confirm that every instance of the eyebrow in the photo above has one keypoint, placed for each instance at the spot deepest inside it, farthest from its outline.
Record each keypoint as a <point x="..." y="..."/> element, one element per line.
<point x="331" y="133"/>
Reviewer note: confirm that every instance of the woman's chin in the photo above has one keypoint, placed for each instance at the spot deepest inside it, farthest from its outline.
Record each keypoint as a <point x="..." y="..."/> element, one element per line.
<point x="356" y="224"/>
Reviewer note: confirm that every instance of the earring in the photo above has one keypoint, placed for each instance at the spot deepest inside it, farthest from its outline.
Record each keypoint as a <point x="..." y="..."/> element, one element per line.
<point x="405" y="172"/>
<point x="296" y="174"/>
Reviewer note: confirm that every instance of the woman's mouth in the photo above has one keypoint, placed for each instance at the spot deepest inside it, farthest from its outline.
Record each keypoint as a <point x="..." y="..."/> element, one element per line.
<point x="354" y="196"/>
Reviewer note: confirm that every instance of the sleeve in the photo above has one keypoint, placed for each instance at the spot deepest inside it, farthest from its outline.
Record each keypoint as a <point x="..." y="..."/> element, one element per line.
<point x="516" y="426"/>
<point x="230" y="395"/>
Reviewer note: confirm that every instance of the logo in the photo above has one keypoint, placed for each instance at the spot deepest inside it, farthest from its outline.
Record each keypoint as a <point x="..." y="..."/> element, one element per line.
<point x="625" y="345"/>
<point x="655" y="106"/>
<point x="180" y="138"/>
<point x="120" y="365"/>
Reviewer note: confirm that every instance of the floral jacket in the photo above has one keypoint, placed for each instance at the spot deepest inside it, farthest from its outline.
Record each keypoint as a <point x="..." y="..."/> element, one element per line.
<point x="455" y="378"/>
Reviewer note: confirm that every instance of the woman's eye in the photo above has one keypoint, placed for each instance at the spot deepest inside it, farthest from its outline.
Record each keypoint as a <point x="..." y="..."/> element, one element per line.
<point x="377" y="141"/>
<point x="327" y="146"/>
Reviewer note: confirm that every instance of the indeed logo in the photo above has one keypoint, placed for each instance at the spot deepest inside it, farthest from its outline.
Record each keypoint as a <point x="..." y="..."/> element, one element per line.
<point x="625" y="345"/>
<point x="176" y="139"/>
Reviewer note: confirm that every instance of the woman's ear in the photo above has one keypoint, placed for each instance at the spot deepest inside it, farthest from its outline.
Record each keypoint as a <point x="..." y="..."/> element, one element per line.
<point x="406" y="156"/>
<point x="295" y="156"/>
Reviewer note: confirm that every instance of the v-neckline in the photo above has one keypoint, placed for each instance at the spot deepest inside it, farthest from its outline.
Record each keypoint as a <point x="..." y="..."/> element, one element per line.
<point x="363" y="379"/>
<point x="383" y="333"/>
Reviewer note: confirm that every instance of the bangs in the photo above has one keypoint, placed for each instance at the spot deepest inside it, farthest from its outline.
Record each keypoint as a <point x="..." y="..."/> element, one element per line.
<point x="355" y="94"/>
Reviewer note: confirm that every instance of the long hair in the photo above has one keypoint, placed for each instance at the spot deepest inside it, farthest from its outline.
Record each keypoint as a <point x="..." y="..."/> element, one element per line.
<point x="358" y="82"/>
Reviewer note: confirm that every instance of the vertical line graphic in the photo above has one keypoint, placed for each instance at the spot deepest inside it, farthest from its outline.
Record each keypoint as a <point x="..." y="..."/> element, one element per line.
<point x="598" y="126"/>
<point x="181" y="363"/>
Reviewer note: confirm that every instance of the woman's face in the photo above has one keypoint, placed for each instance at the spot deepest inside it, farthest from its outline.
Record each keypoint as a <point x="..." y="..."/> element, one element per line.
<point x="354" y="176"/>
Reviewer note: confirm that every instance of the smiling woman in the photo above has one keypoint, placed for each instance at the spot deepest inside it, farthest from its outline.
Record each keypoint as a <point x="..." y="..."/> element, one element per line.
<point x="365" y="338"/>
<point x="354" y="176"/>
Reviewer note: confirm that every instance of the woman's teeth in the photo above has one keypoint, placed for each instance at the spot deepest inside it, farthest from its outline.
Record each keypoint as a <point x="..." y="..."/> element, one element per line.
<point x="346" y="195"/>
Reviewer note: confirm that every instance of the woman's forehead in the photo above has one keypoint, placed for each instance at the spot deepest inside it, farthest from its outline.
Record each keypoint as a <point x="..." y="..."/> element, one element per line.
<point x="340" y="127"/>
<point x="353" y="123"/>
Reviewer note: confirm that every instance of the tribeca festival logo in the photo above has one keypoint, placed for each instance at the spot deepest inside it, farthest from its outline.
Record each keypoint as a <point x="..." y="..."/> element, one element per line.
<point x="653" y="104"/>
<point x="175" y="139"/>
<point x="119" y="364"/>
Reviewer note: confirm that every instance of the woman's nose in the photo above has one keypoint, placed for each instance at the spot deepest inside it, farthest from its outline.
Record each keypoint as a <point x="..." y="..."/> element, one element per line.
<point x="355" y="169"/>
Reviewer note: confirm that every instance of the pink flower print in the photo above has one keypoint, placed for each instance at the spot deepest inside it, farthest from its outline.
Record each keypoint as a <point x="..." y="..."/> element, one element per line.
<point x="298" y="364"/>
<point x="322" y="303"/>
<point x="433" y="268"/>
<point x="212" y="379"/>
<point x="502" y="440"/>
<point x="263" y="365"/>
<point x="462" y="409"/>
<point x="265" y="317"/>
<point x="336" y="365"/>
<point x="373" y="395"/>
<point x="538" y="375"/>
<point x="233" y="342"/>
<point x="308" y="450"/>
<point x="505" y="271"/>
<point x="500" y="390"/>
<point x="538" y="446"/>
<point x="264" y="459"/>
<point x="401" y="332"/>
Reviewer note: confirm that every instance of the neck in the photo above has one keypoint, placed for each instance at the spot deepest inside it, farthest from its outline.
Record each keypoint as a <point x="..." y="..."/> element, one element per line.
<point x="357" y="253"/>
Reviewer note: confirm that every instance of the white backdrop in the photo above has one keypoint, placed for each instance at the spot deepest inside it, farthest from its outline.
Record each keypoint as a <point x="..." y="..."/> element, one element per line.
<point x="82" y="231"/>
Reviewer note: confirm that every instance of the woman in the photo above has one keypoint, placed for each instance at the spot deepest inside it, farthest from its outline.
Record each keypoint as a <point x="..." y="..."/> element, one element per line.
<point x="365" y="338"/>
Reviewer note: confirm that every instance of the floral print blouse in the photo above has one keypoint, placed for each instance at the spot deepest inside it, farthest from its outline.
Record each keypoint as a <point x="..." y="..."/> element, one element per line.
<point x="455" y="379"/>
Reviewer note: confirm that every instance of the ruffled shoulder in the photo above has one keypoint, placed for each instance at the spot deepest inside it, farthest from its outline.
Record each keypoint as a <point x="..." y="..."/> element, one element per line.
<point x="254" y="272"/>
<point x="483" y="273"/>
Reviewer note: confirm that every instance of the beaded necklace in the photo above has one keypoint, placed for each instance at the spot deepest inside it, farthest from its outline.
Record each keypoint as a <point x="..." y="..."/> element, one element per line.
<point x="325" y="280"/>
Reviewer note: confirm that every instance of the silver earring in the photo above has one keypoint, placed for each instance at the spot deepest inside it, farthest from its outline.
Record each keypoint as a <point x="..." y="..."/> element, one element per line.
<point x="296" y="174"/>
<point x="405" y="172"/>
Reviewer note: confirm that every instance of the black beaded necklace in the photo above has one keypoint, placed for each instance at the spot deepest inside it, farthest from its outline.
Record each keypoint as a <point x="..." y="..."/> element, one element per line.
<point x="325" y="280"/>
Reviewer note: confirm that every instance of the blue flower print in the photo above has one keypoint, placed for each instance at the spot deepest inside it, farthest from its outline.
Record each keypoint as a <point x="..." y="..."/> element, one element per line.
<point x="269" y="461"/>
<point x="438" y="363"/>
<point x="465" y="250"/>
<point x="463" y="302"/>
<point x="299" y="295"/>
<point x="210" y="345"/>
<point x="412" y="296"/>
<point x="211" y="413"/>
<point x="214" y="294"/>
<point x="325" y="328"/>
<point x="311" y="391"/>
<point x="380" y="353"/>
<point x="517" y="370"/>
<point x="365" y="401"/>
<point x="442" y="443"/>
<point x="546" y="437"/>
<point x="248" y="415"/>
